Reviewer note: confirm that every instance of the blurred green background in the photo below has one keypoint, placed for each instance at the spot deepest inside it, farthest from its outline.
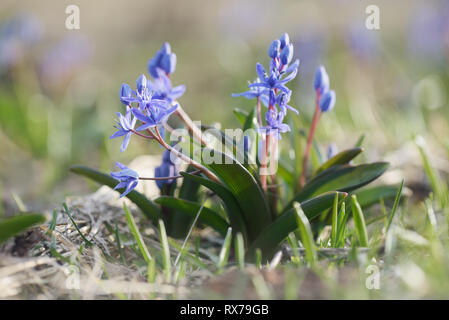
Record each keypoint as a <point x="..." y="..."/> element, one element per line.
<point x="59" y="87"/>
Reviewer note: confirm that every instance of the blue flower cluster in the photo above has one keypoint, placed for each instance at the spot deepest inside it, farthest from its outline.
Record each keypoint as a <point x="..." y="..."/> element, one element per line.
<point x="151" y="104"/>
<point x="270" y="87"/>
<point x="326" y="97"/>
<point x="154" y="100"/>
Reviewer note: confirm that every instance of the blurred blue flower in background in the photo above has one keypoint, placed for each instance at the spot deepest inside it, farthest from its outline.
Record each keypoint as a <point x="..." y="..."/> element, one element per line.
<point x="164" y="59"/>
<point x="363" y="43"/>
<point x="17" y="36"/>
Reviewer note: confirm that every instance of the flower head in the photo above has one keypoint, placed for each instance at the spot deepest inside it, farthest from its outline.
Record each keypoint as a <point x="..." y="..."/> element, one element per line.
<point x="168" y="168"/>
<point x="128" y="179"/>
<point x="163" y="90"/>
<point x="125" y="126"/>
<point x="154" y="115"/>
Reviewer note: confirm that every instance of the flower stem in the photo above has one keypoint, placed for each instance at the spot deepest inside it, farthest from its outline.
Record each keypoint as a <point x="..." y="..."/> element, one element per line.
<point x="263" y="176"/>
<point x="259" y="116"/>
<point x="182" y="156"/>
<point x="190" y="124"/>
<point x="315" y="120"/>
<point x="168" y="178"/>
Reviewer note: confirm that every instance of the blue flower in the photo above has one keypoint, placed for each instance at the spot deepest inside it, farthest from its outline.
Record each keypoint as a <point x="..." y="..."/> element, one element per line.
<point x="125" y="127"/>
<point x="285" y="40"/>
<point x="327" y="101"/>
<point x="164" y="60"/>
<point x="253" y="92"/>
<point x="128" y="179"/>
<point x="273" y="81"/>
<point x="283" y="100"/>
<point x="274" y="123"/>
<point x="163" y="90"/>
<point x="153" y="115"/>
<point x="321" y="81"/>
<point x="168" y="168"/>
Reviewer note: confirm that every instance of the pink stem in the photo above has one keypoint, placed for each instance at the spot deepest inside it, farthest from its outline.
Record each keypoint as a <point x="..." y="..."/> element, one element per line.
<point x="315" y="120"/>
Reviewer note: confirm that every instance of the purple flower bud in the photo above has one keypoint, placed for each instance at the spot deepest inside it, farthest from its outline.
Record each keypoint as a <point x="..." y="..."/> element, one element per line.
<point x="327" y="101"/>
<point x="165" y="49"/>
<point x="168" y="63"/>
<point x="321" y="81"/>
<point x="274" y="49"/>
<point x="287" y="54"/>
<point x="246" y="143"/>
<point x="285" y="40"/>
<point x="125" y="93"/>
<point x="168" y="168"/>
<point x="142" y="84"/>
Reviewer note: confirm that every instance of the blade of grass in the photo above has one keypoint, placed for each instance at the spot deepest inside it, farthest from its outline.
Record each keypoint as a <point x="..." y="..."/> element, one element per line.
<point x="334" y="222"/>
<point x="66" y="210"/>
<point x="137" y="236"/>
<point x="224" y="253"/>
<point x="305" y="233"/>
<point x="359" y="222"/>
<point x="342" y="220"/>
<point x="240" y="250"/>
<point x="395" y="206"/>
<point x="165" y="251"/>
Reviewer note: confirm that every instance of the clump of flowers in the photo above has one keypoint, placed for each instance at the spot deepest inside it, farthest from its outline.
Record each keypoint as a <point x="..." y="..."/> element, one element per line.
<point x="260" y="203"/>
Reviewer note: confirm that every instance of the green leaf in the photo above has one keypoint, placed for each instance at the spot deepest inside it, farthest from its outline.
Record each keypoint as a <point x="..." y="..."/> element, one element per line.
<point x="246" y="190"/>
<point x="272" y="236"/>
<point x="147" y="206"/>
<point x="373" y="195"/>
<point x="165" y="251"/>
<point x="239" y="245"/>
<point x="250" y="121"/>
<point x="18" y="224"/>
<point x="207" y="216"/>
<point x="342" y="157"/>
<point x="137" y="236"/>
<point x="230" y="203"/>
<point x="241" y="115"/>
<point x="359" y="222"/>
<point x="343" y="178"/>
<point x="395" y="205"/>
<point x="305" y="233"/>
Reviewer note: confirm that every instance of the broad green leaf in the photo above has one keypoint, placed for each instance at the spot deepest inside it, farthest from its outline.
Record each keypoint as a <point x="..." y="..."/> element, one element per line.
<point x="370" y="196"/>
<point x="342" y="157"/>
<point x="250" y="121"/>
<point x="246" y="190"/>
<point x="147" y="206"/>
<point x="14" y="225"/>
<point x="180" y="223"/>
<point x="272" y="236"/>
<point x="241" y="115"/>
<point x="230" y="203"/>
<point x="207" y="216"/>
<point x="343" y="178"/>
<point x="359" y="222"/>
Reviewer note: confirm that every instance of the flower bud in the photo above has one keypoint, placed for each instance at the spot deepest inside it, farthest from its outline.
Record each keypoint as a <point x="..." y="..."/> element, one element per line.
<point x="327" y="101"/>
<point x="125" y="92"/>
<point x="321" y="81"/>
<point x="285" y="40"/>
<point x="142" y="84"/>
<point x="274" y="49"/>
<point x="168" y="63"/>
<point x="287" y="54"/>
